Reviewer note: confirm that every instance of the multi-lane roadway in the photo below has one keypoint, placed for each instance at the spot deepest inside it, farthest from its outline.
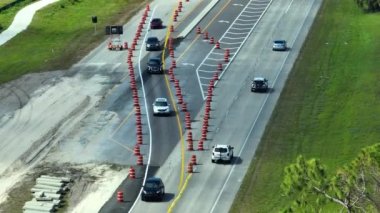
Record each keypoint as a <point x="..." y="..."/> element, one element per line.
<point x="238" y="118"/>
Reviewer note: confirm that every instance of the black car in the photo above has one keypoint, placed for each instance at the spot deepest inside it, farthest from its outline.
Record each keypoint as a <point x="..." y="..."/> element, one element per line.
<point x="152" y="43"/>
<point x="154" y="65"/>
<point x="259" y="84"/>
<point x="153" y="189"/>
<point x="156" y="23"/>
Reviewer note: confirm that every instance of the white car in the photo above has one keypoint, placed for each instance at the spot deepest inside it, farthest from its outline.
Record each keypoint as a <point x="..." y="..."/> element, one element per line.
<point x="161" y="107"/>
<point x="115" y="44"/>
<point x="222" y="153"/>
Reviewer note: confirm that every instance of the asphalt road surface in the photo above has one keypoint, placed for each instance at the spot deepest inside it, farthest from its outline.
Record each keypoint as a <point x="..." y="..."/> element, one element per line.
<point x="239" y="116"/>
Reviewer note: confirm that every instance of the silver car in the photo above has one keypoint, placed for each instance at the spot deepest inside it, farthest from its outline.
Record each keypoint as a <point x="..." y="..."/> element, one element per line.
<point x="279" y="45"/>
<point x="161" y="107"/>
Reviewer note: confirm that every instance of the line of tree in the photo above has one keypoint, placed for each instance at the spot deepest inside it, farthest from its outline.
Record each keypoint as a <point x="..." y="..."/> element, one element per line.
<point x="354" y="187"/>
<point x="369" y="5"/>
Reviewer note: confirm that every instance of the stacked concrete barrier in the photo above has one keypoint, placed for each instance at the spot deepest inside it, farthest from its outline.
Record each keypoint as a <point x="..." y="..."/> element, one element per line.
<point x="48" y="194"/>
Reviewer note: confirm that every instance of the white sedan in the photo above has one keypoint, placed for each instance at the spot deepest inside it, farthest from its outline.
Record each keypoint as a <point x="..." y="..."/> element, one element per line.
<point x="161" y="107"/>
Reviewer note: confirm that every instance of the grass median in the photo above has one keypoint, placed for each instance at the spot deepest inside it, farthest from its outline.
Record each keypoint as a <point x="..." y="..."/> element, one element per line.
<point x="329" y="108"/>
<point x="61" y="34"/>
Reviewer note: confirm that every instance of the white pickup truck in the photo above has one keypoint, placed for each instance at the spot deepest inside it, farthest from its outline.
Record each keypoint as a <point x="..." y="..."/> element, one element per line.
<point x="115" y="44"/>
<point x="223" y="153"/>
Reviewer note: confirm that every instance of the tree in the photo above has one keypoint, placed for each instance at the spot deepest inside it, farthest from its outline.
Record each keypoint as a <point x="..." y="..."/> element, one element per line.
<point x="369" y="5"/>
<point x="354" y="187"/>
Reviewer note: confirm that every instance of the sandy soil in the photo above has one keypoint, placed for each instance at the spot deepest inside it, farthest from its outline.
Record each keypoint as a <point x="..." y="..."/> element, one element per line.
<point x="39" y="111"/>
<point x="91" y="185"/>
<point x="100" y="190"/>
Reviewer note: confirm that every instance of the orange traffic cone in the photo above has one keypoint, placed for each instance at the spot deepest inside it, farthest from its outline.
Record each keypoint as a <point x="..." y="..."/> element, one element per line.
<point x="132" y="173"/>
<point x="120" y="196"/>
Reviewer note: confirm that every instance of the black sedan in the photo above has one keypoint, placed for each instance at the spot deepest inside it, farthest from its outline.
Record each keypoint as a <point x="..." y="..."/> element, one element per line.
<point x="153" y="189"/>
<point x="259" y="84"/>
<point x="154" y="66"/>
<point x="152" y="44"/>
<point x="156" y="23"/>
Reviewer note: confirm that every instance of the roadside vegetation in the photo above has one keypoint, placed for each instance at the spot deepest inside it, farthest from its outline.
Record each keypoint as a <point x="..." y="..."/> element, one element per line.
<point x="328" y="110"/>
<point x="61" y="34"/>
<point x="5" y="2"/>
<point x="353" y="187"/>
<point x="6" y="16"/>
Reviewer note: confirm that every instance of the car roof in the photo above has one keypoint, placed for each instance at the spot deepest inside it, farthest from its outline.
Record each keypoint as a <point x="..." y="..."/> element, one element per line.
<point x="156" y="19"/>
<point x="153" y="179"/>
<point x="221" y="146"/>
<point x="155" y="59"/>
<point x="152" y="38"/>
<point x="259" y="79"/>
<point x="279" y="41"/>
<point x="161" y="100"/>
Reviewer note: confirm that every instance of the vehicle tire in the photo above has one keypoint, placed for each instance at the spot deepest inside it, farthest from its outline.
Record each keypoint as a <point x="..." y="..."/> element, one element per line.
<point x="212" y="161"/>
<point x="142" y="198"/>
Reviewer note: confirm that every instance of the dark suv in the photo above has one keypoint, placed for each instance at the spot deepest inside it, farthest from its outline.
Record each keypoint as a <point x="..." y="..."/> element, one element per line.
<point x="259" y="84"/>
<point x="155" y="65"/>
<point x="156" y="23"/>
<point x="153" y="189"/>
<point x="152" y="43"/>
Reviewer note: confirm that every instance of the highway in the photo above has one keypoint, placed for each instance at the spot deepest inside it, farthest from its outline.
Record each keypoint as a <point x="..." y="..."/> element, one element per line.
<point x="239" y="117"/>
<point x="95" y="104"/>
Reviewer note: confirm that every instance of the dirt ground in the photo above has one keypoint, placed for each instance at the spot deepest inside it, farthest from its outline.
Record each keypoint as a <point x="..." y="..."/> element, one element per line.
<point x="86" y="178"/>
<point x="38" y="112"/>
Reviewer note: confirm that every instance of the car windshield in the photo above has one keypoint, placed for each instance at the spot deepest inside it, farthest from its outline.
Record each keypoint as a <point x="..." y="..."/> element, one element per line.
<point x="152" y="40"/>
<point x="151" y="185"/>
<point x="259" y="82"/>
<point x="156" y="20"/>
<point x="161" y="103"/>
<point x="154" y="61"/>
<point x="279" y="42"/>
<point x="223" y="150"/>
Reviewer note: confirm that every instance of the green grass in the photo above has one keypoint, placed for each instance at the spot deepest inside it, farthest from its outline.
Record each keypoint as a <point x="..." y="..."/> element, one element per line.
<point x="6" y="16"/>
<point x="5" y="2"/>
<point x="61" y="34"/>
<point x="329" y="108"/>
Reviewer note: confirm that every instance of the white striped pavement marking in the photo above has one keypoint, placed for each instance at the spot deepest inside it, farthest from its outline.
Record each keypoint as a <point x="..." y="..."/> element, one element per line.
<point x="234" y="28"/>
<point x="242" y="24"/>
<point x="237" y="38"/>
<point x="237" y="33"/>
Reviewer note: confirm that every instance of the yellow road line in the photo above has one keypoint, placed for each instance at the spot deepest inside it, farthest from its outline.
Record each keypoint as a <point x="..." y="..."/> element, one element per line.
<point x="175" y="108"/>
<point x="172" y="205"/>
<point x="183" y="188"/>
<point x="207" y="26"/>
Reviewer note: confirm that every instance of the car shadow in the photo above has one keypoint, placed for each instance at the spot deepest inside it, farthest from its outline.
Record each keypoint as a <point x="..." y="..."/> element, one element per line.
<point x="237" y="160"/>
<point x="168" y="197"/>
